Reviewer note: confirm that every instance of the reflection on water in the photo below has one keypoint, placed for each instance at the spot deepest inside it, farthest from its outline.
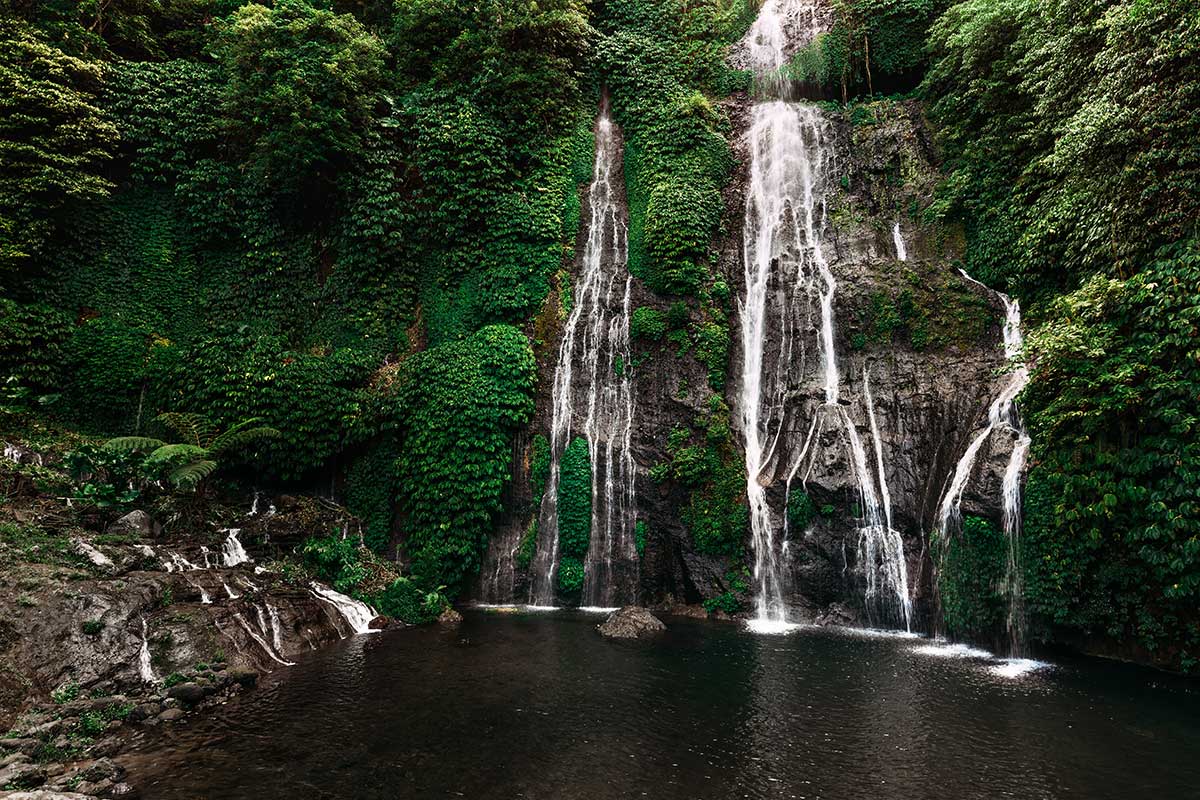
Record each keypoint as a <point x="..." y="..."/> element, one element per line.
<point x="537" y="705"/>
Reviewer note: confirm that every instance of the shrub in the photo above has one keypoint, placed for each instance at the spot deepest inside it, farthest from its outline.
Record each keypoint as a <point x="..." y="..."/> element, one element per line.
<point x="575" y="499"/>
<point x="647" y="323"/>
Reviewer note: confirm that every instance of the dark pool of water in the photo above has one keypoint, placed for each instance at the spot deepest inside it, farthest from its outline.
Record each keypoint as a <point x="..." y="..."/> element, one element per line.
<point x="540" y="706"/>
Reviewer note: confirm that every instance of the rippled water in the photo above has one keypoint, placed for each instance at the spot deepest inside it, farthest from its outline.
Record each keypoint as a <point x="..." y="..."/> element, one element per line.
<point x="540" y="706"/>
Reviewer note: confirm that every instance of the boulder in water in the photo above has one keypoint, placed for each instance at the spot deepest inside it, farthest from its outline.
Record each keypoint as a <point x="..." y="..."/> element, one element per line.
<point x="631" y="622"/>
<point x="449" y="617"/>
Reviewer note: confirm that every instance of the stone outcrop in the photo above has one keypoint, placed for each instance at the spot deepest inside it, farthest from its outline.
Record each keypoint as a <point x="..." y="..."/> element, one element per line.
<point x="631" y="622"/>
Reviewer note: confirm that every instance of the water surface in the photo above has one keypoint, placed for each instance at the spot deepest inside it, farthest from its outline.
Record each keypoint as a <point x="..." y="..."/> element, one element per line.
<point x="541" y="706"/>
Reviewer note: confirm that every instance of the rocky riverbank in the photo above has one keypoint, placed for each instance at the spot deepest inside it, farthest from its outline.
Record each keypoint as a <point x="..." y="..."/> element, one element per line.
<point x="117" y="623"/>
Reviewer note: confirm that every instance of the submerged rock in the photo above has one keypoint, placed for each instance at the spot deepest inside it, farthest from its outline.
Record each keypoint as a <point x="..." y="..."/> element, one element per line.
<point x="450" y="617"/>
<point x="631" y="622"/>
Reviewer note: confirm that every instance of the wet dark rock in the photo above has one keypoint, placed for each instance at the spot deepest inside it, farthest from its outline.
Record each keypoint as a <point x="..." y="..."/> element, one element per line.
<point x="189" y="693"/>
<point x="23" y="776"/>
<point x="242" y="677"/>
<point x="172" y="715"/>
<point x="631" y="622"/>
<point x="101" y="769"/>
<point x="693" y="611"/>
<point x="379" y="624"/>
<point x="39" y="794"/>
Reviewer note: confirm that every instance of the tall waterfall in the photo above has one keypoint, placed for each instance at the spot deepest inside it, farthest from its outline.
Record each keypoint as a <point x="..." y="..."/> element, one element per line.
<point x="787" y="275"/>
<point x="593" y="396"/>
<point x="1004" y="416"/>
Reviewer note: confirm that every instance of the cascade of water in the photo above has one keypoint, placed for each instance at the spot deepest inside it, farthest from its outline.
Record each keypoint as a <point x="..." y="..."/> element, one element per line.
<point x="898" y="240"/>
<point x="786" y="273"/>
<point x="260" y="641"/>
<point x="1002" y="415"/>
<point x="881" y="549"/>
<point x="232" y="552"/>
<point x="232" y="594"/>
<point x="145" y="667"/>
<point x="593" y="379"/>
<point x="357" y="615"/>
<point x="276" y="627"/>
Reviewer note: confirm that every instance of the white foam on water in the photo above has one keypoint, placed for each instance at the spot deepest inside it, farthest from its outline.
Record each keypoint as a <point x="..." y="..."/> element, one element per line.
<point x="598" y="609"/>
<point x="771" y="627"/>
<point x="1017" y="667"/>
<point x="951" y="650"/>
<point x="879" y="633"/>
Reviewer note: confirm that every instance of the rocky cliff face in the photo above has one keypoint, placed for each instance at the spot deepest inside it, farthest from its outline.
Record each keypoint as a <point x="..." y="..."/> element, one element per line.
<point x="929" y="340"/>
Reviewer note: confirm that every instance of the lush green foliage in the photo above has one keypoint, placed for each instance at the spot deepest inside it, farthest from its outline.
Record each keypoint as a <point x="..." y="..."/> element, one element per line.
<point x="1113" y="517"/>
<point x="575" y="499"/>
<point x="1071" y="133"/>
<point x="54" y="140"/>
<point x="800" y="511"/>
<point x="193" y="459"/>
<point x="971" y="578"/>
<point x="659" y="58"/>
<point x="457" y="406"/>
<point x="873" y="44"/>
<point x="647" y="323"/>
<point x="1074" y="156"/>
<point x="709" y="469"/>
<point x="303" y="85"/>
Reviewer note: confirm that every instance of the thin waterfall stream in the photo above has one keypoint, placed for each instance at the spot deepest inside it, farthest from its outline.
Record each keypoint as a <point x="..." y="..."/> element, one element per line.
<point x="593" y="396"/>
<point x="1003" y="415"/>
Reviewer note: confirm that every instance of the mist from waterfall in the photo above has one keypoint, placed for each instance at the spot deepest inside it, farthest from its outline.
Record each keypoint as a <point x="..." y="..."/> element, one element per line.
<point x="593" y="397"/>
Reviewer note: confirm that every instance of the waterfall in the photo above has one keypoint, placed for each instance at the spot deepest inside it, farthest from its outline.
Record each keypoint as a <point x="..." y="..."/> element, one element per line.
<point x="881" y="548"/>
<point x="232" y="552"/>
<point x="357" y="615"/>
<point x="1002" y="415"/>
<point x="260" y="641"/>
<point x="786" y="274"/>
<point x="145" y="668"/>
<point x="593" y="396"/>
<point x="898" y="240"/>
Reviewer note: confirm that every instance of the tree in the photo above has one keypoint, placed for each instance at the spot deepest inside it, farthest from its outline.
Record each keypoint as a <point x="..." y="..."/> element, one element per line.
<point x="54" y="139"/>
<point x="303" y="85"/>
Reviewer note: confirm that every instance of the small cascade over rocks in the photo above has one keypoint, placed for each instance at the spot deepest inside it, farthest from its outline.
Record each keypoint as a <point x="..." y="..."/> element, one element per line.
<point x="358" y="615"/>
<point x="1003" y="415"/>
<point x="898" y="241"/>
<point x="232" y="552"/>
<point x="145" y="667"/>
<point x="594" y="397"/>
<point x="790" y="291"/>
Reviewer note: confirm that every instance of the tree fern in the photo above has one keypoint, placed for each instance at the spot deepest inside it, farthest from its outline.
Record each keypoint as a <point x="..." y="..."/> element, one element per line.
<point x="190" y="461"/>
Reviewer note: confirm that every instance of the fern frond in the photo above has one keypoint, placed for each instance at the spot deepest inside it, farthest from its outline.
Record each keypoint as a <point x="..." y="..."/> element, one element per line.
<point x="175" y="452"/>
<point x="194" y="429"/>
<point x="238" y="438"/>
<point x="189" y="475"/>
<point x="128" y="443"/>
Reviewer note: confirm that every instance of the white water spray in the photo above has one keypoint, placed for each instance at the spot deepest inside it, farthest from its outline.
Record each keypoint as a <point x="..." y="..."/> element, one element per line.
<point x="787" y="273"/>
<point x="232" y="552"/>
<point x="145" y="667"/>
<point x="358" y="615"/>
<point x="898" y="241"/>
